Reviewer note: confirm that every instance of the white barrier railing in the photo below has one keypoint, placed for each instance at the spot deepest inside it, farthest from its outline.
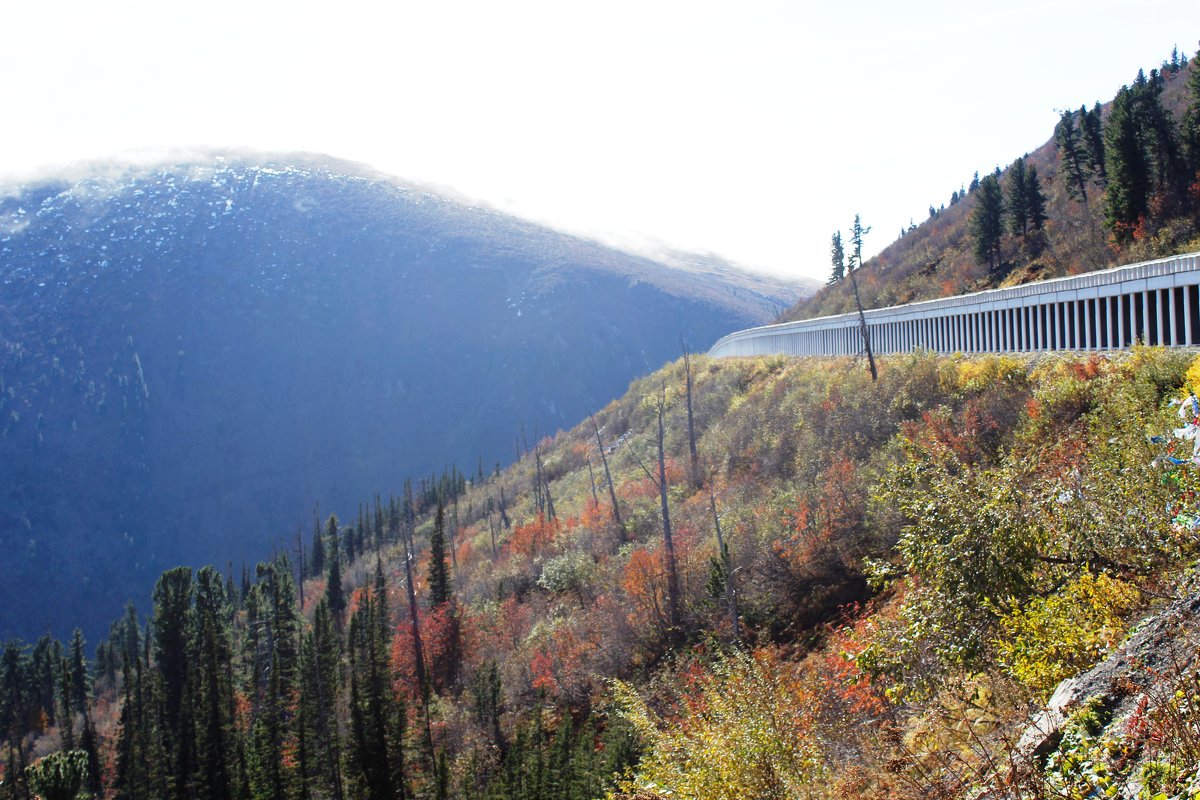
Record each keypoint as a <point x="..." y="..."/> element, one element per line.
<point x="1155" y="302"/>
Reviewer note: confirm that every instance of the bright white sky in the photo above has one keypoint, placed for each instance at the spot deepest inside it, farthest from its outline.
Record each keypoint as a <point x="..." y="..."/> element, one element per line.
<point x="748" y="129"/>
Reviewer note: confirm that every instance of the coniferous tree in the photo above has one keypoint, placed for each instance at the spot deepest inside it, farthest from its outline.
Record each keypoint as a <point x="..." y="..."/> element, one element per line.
<point x="59" y="776"/>
<point x="172" y="618"/>
<point x="316" y="559"/>
<point x="1071" y="155"/>
<point x="211" y="654"/>
<point x="350" y="540"/>
<point x="1191" y="123"/>
<point x="274" y="771"/>
<point x="43" y="663"/>
<point x="380" y="535"/>
<point x="1127" y="196"/>
<point x="334" y="593"/>
<point x="1161" y="141"/>
<point x="377" y="715"/>
<point x="80" y="681"/>
<point x="1092" y="131"/>
<point x="485" y="701"/>
<point x="66" y="721"/>
<point x="987" y="223"/>
<point x="14" y="713"/>
<point x="320" y="657"/>
<point x="1018" y="201"/>
<point x="439" y="572"/>
<point x="837" y="255"/>
<point x="1035" y="199"/>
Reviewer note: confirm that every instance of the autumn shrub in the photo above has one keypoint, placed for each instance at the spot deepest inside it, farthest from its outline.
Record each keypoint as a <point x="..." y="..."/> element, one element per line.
<point x="916" y="382"/>
<point x="1060" y="397"/>
<point x="967" y="546"/>
<point x="1114" y="509"/>
<point x="1054" y="637"/>
<point x="744" y="733"/>
<point x="59" y="776"/>
<point x="1191" y="381"/>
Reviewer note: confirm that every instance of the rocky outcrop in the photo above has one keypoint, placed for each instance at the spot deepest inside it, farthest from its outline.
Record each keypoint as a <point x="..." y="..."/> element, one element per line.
<point x="1131" y="692"/>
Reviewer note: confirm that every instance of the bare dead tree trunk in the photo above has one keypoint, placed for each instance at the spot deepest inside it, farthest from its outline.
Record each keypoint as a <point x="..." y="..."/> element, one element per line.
<point x="543" y="482"/>
<point x="623" y="535"/>
<point x="727" y="564"/>
<point x="592" y="482"/>
<point x="687" y="369"/>
<point x="453" y="535"/>
<point x="862" y="324"/>
<point x="856" y="236"/>
<point x="300" y="547"/>
<point x="492" y="530"/>
<point x="415" y="622"/>
<point x="503" y="511"/>
<point x="668" y="541"/>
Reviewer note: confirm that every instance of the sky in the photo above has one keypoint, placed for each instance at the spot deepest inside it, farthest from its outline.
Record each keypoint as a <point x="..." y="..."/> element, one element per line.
<point x="751" y="130"/>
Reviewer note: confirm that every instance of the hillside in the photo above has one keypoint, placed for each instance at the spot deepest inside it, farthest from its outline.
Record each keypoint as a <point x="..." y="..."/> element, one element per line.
<point x="937" y="257"/>
<point x="913" y="565"/>
<point x="194" y="356"/>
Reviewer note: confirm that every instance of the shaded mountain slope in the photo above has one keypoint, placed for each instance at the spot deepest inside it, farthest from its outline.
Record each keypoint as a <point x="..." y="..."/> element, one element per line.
<point x="194" y="355"/>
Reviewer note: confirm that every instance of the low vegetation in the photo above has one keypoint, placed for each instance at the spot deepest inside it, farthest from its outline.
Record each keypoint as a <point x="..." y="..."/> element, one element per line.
<point x="904" y="571"/>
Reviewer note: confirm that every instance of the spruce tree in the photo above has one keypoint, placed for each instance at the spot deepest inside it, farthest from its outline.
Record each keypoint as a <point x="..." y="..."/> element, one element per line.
<point x="380" y="535"/>
<point x="1161" y="141"/>
<point x="334" y="594"/>
<point x="837" y="255"/>
<point x="1092" y="132"/>
<point x="1018" y="202"/>
<point x="1191" y="123"/>
<point x="316" y="559"/>
<point x="1127" y="197"/>
<point x="80" y="682"/>
<point x="211" y="654"/>
<point x="376" y="712"/>
<point x="1034" y="199"/>
<point x="987" y="223"/>
<point x="1071" y="155"/>
<point x="439" y="572"/>
<point x="275" y="731"/>
<point x="172" y="621"/>
<point x="320" y="682"/>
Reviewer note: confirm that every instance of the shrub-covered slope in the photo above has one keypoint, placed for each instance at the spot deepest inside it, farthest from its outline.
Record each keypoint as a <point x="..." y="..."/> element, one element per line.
<point x="912" y="565"/>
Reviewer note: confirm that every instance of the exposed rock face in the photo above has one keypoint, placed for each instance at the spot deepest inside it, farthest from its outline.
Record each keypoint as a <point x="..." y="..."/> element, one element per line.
<point x="1127" y="688"/>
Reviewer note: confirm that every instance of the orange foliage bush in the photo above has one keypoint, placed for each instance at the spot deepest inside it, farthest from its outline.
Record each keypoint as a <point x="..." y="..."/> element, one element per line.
<point x="643" y="584"/>
<point x="840" y="665"/>
<point x="541" y="670"/>
<point x="534" y="537"/>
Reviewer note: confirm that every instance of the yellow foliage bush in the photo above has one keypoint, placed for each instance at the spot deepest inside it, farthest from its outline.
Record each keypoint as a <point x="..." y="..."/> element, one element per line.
<point x="1055" y="637"/>
<point x="1191" y="380"/>
<point x="746" y="734"/>
<point x="983" y="372"/>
